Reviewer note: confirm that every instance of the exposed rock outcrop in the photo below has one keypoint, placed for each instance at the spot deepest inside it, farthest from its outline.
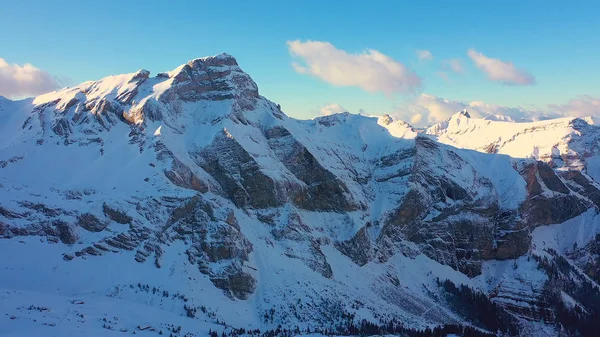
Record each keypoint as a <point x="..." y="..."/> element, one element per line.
<point x="322" y="191"/>
<point x="91" y="223"/>
<point x="116" y="215"/>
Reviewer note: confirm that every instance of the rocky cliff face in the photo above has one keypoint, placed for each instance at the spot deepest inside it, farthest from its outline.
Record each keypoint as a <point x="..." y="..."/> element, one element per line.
<point x="195" y="173"/>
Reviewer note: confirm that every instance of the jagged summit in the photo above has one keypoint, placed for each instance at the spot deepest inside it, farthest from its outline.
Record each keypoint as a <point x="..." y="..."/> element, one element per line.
<point x="219" y="59"/>
<point x="203" y="71"/>
<point x="465" y="113"/>
<point x="137" y="98"/>
<point x="140" y="75"/>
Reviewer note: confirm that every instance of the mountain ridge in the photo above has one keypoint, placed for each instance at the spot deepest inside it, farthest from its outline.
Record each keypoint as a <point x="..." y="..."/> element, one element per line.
<point x="190" y="181"/>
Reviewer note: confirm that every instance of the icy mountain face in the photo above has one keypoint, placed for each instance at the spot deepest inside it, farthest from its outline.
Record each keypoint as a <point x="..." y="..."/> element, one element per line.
<point x="198" y="196"/>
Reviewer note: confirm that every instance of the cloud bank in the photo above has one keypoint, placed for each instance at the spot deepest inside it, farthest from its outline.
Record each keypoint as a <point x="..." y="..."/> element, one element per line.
<point x="428" y="109"/>
<point x="455" y="65"/>
<point x="500" y="71"/>
<point x="370" y="70"/>
<point x="331" y="109"/>
<point x="20" y="81"/>
<point x="581" y="106"/>
<point x="424" y="55"/>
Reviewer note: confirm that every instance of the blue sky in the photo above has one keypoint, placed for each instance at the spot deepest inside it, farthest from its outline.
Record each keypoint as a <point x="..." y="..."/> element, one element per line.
<point x="557" y="43"/>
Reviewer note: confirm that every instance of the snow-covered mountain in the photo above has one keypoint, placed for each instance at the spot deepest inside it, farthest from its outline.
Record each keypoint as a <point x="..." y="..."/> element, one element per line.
<point x="186" y="202"/>
<point x="568" y="142"/>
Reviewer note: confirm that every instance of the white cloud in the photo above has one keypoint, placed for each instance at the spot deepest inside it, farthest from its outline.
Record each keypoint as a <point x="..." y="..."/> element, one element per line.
<point x="581" y="106"/>
<point x="26" y="80"/>
<point x="428" y="109"/>
<point x="432" y="109"/>
<point x="331" y="109"/>
<point x="416" y="119"/>
<point x="424" y="55"/>
<point x="443" y="75"/>
<point x="455" y="65"/>
<point x="501" y="71"/>
<point x="370" y="70"/>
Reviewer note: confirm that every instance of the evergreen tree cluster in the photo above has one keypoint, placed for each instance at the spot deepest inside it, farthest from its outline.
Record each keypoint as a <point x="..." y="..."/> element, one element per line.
<point x="581" y="318"/>
<point x="479" y="309"/>
<point x="364" y="328"/>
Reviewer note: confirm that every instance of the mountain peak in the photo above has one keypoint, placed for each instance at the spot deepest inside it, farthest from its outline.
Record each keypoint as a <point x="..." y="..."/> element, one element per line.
<point x="137" y="97"/>
<point x="215" y="78"/>
<point x="464" y="113"/>
<point x="140" y="75"/>
<point x="222" y="59"/>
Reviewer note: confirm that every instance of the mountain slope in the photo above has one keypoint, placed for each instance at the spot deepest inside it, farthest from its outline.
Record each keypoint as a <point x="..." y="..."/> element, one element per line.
<point x="190" y="193"/>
